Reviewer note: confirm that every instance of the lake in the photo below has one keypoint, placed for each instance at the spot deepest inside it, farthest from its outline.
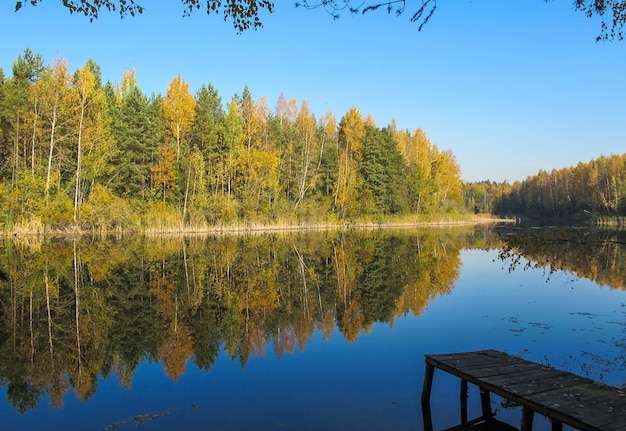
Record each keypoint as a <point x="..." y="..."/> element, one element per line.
<point x="298" y="331"/>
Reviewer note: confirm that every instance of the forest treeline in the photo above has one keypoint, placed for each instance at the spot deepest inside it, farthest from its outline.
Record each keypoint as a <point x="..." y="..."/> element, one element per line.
<point x="74" y="311"/>
<point x="77" y="152"/>
<point x="593" y="191"/>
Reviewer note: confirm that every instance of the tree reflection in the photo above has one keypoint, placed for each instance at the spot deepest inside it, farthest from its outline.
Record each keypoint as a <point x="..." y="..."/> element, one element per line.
<point x="598" y="255"/>
<point x="72" y="311"/>
<point x="595" y="254"/>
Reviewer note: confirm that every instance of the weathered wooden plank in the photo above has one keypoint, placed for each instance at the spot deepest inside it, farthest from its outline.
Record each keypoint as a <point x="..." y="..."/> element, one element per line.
<point x="482" y="365"/>
<point x="563" y="397"/>
<point x="540" y="374"/>
<point x="544" y="381"/>
<point x="599" y="406"/>
<point x="473" y="359"/>
<point x="502" y="370"/>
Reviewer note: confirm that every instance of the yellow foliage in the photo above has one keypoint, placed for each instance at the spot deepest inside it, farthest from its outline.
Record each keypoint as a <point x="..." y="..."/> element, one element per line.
<point x="176" y="349"/>
<point x="179" y="110"/>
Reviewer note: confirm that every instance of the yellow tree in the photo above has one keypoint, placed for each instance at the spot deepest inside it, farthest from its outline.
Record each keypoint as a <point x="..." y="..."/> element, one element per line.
<point x="308" y="145"/>
<point x="128" y="82"/>
<point x="233" y="136"/>
<point x="260" y="180"/>
<point x="176" y="344"/>
<point x="91" y="128"/>
<point x="351" y="134"/>
<point x="258" y="160"/>
<point x="55" y="86"/>
<point x="179" y="110"/>
<point x="447" y="181"/>
<point x="163" y="172"/>
<point x="349" y="310"/>
<point x="254" y="117"/>
<point x="402" y="137"/>
<point x="418" y="152"/>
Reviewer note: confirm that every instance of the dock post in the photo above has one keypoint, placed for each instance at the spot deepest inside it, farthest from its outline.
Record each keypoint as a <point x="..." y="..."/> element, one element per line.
<point x="557" y="425"/>
<point x="426" y="389"/>
<point x="527" y="419"/>
<point x="485" y="401"/>
<point x="463" y="402"/>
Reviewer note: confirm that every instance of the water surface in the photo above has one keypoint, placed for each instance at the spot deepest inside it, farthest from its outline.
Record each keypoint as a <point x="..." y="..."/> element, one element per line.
<point x="289" y="332"/>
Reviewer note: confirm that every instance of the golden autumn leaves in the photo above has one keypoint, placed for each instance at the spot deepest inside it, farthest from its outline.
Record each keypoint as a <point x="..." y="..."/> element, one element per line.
<point x="189" y="162"/>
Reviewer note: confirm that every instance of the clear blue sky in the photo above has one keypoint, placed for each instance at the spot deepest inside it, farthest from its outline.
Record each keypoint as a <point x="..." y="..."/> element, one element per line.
<point x="510" y="87"/>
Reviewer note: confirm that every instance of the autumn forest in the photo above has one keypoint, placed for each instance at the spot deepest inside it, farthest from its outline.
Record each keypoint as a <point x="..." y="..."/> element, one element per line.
<point x="78" y="154"/>
<point x="106" y="157"/>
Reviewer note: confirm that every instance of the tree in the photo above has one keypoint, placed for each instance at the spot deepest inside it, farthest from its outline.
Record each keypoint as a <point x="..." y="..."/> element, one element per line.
<point x="243" y="13"/>
<point x="163" y="172"/>
<point x="91" y="130"/>
<point x="611" y="12"/>
<point x="233" y="136"/>
<point x="56" y="84"/>
<point x="329" y="154"/>
<point x="179" y="112"/>
<point x="351" y="134"/>
<point x="27" y="69"/>
<point x="208" y="130"/>
<point x="382" y="169"/>
<point x="310" y="156"/>
<point x="136" y="134"/>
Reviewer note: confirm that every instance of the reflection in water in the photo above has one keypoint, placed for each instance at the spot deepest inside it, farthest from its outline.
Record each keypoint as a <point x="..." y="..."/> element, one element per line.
<point x="597" y="255"/>
<point x="188" y="334"/>
<point x="74" y="311"/>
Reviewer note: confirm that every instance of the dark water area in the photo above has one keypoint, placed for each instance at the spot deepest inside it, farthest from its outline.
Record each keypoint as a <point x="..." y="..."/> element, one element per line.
<point x="295" y="331"/>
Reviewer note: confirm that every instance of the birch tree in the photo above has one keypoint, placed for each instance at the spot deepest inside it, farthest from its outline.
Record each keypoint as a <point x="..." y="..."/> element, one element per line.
<point x="91" y="131"/>
<point x="351" y="134"/>
<point x="56" y="84"/>
<point x="179" y="107"/>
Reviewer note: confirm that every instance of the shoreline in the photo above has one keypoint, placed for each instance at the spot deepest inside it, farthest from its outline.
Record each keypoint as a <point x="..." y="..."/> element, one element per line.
<point x="77" y="232"/>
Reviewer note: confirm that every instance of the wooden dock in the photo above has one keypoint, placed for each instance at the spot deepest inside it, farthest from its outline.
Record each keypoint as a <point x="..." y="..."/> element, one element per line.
<point x="562" y="397"/>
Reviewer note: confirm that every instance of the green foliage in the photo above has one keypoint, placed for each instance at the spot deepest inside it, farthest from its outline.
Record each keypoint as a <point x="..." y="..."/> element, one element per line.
<point x="222" y="210"/>
<point x="104" y="212"/>
<point x="162" y="217"/>
<point x="112" y="153"/>
<point x="58" y="214"/>
<point x="25" y="205"/>
<point x="136" y="133"/>
<point x="382" y="169"/>
<point x="586" y="191"/>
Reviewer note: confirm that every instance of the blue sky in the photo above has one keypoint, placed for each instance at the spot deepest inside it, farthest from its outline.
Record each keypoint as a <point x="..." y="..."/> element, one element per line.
<point x="510" y="87"/>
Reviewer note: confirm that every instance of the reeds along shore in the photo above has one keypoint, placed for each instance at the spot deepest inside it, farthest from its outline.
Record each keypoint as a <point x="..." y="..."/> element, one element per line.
<point x="38" y="230"/>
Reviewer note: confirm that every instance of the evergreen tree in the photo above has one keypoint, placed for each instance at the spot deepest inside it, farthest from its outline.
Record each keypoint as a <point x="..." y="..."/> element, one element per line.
<point x="382" y="169"/>
<point x="208" y="130"/>
<point x="137" y="138"/>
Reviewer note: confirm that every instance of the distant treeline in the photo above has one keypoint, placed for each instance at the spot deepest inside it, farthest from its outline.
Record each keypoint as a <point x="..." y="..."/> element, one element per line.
<point x="593" y="191"/>
<point x="76" y="152"/>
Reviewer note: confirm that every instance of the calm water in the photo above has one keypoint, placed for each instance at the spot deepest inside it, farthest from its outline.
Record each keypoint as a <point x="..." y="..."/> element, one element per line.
<point x="293" y="332"/>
